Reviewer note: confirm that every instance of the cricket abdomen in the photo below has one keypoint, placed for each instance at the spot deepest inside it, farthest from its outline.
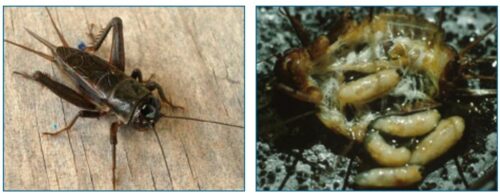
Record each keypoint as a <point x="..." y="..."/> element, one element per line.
<point x="104" y="83"/>
<point x="89" y="68"/>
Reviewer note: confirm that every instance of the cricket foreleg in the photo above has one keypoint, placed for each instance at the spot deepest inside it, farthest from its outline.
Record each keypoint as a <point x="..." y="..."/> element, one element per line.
<point x="137" y="75"/>
<point x="151" y="85"/>
<point x="113" y="140"/>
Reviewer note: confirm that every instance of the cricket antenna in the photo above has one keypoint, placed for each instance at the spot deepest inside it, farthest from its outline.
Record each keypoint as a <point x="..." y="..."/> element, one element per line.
<point x="476" y="42"/>
<point x="297" y="117"/>
<point x="200" y="120"/>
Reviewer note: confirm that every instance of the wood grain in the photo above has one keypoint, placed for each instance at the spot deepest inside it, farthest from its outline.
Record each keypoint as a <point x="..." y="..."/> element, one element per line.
<point x="196" y="54"/>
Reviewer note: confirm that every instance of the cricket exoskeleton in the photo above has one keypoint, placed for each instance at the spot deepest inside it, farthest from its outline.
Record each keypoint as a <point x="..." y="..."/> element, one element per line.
<point x="103" y="87"/>
<point x="385" y="74"/>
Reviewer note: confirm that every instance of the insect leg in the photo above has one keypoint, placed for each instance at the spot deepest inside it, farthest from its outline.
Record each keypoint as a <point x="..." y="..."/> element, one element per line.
<point x="113" y="140"/>
<point x="82" y="113"/>
<point x="313" y="95"/>
<point x="151" y="85"/>
<point x="301" y="32"/>
<point x="467" y="48"/>
<point x="340" y="25"/>
<point x="137" y="74"/>
<point x="370" y="15"/>
<point x="442" y="16"/>
<point x="91" y="35"/>
<point x="60" y="90"/>
<point x="117" y="57"/>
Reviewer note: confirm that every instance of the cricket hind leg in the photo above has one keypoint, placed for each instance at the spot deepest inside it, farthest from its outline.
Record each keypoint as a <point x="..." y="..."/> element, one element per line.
<point x="67" y="94"/>
<point x="60" y="90"/>
<point x="117" y="56"/>
<point x="92" y="36"/>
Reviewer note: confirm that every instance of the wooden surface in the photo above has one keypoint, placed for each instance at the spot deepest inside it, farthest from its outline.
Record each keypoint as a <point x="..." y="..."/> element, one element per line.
<point x="197" y="56"/>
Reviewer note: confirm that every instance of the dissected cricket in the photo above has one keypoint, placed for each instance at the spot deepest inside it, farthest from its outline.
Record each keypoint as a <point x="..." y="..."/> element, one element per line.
<point x="103" y="87"/>
<point x="405" y="69"/>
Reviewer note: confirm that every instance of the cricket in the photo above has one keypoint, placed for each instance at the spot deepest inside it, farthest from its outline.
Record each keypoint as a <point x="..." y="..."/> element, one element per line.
<point x="103" y="87"/>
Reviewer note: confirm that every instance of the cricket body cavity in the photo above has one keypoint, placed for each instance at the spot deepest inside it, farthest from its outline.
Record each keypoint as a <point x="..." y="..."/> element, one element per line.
<point x="381" y="70"/>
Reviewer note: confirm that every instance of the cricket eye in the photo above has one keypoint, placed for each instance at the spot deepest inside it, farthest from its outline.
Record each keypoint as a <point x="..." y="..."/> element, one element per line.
<point x="149" y="111"/>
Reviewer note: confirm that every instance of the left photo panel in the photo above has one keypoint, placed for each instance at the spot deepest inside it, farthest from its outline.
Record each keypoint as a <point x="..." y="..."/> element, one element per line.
<point x="124" y="98"/>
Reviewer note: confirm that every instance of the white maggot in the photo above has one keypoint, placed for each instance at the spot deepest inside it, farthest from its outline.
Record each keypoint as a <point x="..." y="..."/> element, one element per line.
<point x="336" y="121"/>
<point x="386" y="154"/>
<point x="365" y="67"/>
<point x="389" y="177"/>
<point x="368" y="88"/>
<point x="446" y="134"/>
<point x="409" y="126"/>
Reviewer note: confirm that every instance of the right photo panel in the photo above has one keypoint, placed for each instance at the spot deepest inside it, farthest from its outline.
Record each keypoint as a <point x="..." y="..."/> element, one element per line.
<point x="362" y="98"/>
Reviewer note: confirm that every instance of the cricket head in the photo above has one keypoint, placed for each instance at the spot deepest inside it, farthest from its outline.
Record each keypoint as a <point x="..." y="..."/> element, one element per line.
<point x="147" y="113"/>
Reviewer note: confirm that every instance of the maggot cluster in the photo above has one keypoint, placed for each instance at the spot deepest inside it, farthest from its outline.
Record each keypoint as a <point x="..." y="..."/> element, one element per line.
<point x="297" y="115"/>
